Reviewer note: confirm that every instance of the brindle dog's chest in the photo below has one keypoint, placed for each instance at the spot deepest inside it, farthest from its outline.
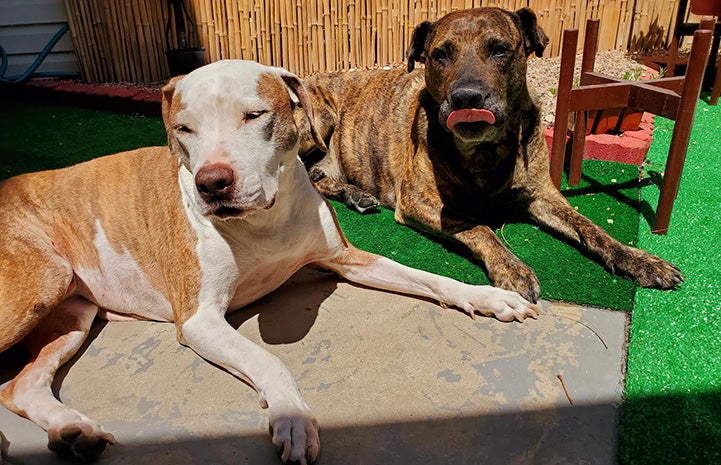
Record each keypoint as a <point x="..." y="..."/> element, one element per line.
<point x="487" y="173"/>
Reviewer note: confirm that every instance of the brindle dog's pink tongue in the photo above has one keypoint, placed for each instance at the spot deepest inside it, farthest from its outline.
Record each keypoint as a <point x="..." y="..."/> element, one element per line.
<point x="469" y="115"/>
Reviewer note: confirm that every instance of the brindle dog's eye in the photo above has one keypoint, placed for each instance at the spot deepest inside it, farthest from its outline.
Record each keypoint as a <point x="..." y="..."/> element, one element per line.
<point x="498" y="50"/>
<point x="439" y="55"/>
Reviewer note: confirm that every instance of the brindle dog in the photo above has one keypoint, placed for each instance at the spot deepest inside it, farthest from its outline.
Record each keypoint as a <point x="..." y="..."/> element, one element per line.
<point x="458" y="146"/>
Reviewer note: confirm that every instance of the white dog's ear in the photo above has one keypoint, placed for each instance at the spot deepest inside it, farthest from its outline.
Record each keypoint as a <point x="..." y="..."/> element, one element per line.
<point x="168" y="92"/>
<point x="168" y="111"/>
<point x="300" y="96"/>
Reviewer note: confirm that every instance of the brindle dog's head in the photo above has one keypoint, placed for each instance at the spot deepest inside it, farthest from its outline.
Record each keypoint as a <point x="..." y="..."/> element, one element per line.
<point x="475" y="67"/>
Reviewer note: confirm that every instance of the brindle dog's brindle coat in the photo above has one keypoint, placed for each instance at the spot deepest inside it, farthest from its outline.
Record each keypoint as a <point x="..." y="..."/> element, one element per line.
<point x="389" y="140"/>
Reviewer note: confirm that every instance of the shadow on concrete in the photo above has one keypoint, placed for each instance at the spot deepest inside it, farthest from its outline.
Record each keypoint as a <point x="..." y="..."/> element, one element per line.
<point x="532" y="437"/>
<point x="653" y="432"/>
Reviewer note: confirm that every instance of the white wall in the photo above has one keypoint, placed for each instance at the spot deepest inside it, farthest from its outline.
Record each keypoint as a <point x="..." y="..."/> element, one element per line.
<point x="26" y="26"/>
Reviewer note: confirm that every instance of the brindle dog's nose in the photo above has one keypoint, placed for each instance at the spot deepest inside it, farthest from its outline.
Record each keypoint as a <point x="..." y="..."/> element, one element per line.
<point x="215" y="181"/>
<point x="467" y="97"/>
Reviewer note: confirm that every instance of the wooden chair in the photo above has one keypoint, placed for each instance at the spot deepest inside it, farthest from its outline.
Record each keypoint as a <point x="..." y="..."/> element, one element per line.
<point x="683" y="28"/>
<point x="673" y="97"/>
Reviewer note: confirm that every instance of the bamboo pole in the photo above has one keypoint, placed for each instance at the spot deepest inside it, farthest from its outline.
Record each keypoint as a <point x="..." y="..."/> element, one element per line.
<point x="115" y="62"/>
<point x="212" y="34"/>
<point x="325" y="13"/>
<point x="274" y="36"/>
<point x="130" y="40"/>
<point x="344" y="61"/>
<point x="302" y="35"/>
<point x="233" y="20"/>
<point x="220" y="22"/>
<point x="256" y="32"/>
<point x="143" y="46"/>
<point x="94" y="68"/>
<point x="99" y="32"/>
<point x="76" y="34"/>
<point x="283" y="27"/>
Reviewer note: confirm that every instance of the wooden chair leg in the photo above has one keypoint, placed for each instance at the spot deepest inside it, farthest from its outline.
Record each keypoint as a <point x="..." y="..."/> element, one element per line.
<point x="590" y="47"/>
<point x="709" y="22"/>
<point x="716" y="89"/>
<point x="588" y="61"/>
<point x="560" y="125"/>
<point x="672" y="58"/>
<point x="682" y="129"/>
<point x="577" y="148"/>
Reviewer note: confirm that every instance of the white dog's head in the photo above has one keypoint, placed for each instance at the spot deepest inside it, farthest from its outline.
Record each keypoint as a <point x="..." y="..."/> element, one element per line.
<point x="231" y="123"/>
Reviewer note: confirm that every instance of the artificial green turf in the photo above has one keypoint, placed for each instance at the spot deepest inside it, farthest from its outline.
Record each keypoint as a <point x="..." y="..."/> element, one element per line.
<point x="36" y="137"/>
<point x="672" y="413"/>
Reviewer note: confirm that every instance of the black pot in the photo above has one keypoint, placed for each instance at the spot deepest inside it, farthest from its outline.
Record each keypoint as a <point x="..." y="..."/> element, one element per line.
<point x="185" y="60"/>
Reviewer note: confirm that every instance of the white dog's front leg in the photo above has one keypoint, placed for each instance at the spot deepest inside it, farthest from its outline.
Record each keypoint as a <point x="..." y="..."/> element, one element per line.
<point x="379" y="272"/>
<point x="295" y="429"/>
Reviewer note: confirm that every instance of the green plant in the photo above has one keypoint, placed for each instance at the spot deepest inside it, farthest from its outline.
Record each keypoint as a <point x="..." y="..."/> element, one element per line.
<point x="554" y="90"/>
<point x="633" y="75"/>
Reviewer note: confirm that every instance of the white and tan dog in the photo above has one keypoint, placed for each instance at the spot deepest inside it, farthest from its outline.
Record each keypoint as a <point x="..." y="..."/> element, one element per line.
<point x="186" y="233"/>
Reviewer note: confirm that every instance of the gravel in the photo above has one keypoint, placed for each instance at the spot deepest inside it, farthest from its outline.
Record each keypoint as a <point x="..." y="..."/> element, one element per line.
<point x="543" y="76"/>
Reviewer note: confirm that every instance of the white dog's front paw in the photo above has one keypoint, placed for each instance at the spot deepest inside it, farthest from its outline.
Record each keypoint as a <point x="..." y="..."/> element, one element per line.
<point x="83" y="439"/>
<point x="500" y="303"/>
<point x="295" y="434"/>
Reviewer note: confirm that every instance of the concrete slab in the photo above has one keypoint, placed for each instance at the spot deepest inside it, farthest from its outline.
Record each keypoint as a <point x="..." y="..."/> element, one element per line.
<point x="392" y="380"/>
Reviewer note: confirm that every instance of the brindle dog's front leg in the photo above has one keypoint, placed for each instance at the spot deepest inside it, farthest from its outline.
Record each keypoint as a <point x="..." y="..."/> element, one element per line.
<point x="552" y="212"/>
<point x="504" y="269"/>
<point x="354" y="197"/>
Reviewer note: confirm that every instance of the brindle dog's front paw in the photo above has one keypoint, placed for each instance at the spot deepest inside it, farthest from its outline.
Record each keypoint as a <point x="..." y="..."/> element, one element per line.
<point x="516" y="276"/>
<point x="361" y="201"/>
<point x="648" y="270"/>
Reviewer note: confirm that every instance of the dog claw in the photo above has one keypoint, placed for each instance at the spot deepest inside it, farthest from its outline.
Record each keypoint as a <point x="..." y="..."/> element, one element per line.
<point x="296" y="437"/>
<point x="80" y="440"/>
<point x="362" y="201"/>
<point x="500" y="303"/>
<point x="647" y="270"/>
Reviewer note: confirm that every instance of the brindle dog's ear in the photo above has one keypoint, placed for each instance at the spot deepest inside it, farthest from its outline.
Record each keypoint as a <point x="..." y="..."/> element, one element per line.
<point x="294" y="85"/>
<point x="535" y="39"/>
<point x="417" y="47"/>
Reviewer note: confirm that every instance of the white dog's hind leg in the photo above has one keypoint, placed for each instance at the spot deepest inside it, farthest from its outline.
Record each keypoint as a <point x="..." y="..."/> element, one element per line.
<point x="52" y="343"/>
<point x="295" y="429"/>
<point x="382" y="273"/>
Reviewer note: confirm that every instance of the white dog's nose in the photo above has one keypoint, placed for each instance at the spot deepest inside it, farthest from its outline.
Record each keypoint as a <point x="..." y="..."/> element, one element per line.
<point x="215" y="181"/>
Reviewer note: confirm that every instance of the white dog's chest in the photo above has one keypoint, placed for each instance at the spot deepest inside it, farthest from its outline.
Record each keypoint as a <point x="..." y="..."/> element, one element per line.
<point x="238" y="266"/>
<point x="255" y="266"/>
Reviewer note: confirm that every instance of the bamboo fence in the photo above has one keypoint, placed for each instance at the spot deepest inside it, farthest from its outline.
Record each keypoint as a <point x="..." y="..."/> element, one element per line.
<point x="125" y="40"/>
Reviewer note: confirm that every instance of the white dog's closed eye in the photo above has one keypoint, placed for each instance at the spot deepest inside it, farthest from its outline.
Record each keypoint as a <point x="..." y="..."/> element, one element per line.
<point x="250" y="115"/>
